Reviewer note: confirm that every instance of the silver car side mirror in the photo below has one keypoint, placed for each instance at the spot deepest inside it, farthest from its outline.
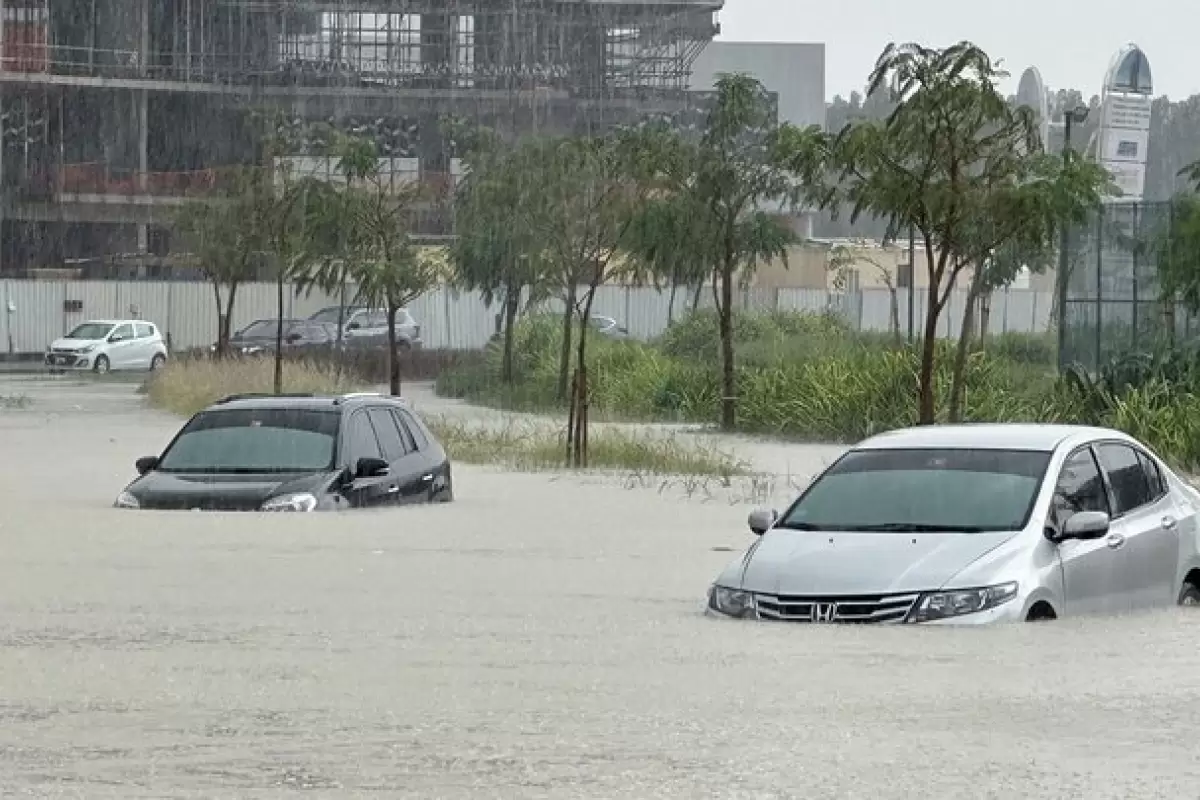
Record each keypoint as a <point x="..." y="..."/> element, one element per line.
<point x="1085" y="525"/>
<point x="761" y="520"/>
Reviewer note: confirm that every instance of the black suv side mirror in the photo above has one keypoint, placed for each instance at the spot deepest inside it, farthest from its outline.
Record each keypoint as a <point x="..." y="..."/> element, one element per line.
<point x="145" y="464"/>
<point x="370" y="468"/>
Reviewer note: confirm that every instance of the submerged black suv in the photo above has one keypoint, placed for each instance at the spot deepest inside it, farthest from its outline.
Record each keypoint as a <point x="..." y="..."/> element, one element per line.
<point x="295" y="453"/>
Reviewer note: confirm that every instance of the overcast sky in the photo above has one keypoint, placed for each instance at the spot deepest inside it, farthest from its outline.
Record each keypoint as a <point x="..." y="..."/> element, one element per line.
<point x="1069" y="41"/>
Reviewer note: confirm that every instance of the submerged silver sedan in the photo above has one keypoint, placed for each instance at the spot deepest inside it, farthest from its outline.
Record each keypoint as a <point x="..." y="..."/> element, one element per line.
<point x="973" y="524"/>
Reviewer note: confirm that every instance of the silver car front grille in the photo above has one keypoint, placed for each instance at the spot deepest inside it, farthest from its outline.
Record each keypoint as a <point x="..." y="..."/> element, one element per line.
<point x="843" y="609"/>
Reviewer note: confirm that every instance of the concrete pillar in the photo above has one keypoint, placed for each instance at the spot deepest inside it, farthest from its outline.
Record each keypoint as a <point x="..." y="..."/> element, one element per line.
<point x="143" y="121"/>
<point x="437" y="58"/>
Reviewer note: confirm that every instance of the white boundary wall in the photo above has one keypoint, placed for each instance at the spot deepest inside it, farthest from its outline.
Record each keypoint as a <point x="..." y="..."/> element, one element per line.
<point x="449" y="319"/>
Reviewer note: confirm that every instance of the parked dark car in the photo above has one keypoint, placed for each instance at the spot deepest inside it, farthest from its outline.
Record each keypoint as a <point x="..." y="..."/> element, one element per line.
<point x="366" y="328"/>
<point x="298" y="335"/>
<point x="331" y="314"/>
<point x="295" y="453"/>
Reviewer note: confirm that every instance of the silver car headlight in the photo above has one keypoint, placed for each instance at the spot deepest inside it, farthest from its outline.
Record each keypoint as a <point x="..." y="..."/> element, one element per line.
<point x="87" y="348"/>
<point x="956" y="603"/>
<point x="291" y="502"/>
<point x="126" y="500"/>
<point x="731" y="602"/>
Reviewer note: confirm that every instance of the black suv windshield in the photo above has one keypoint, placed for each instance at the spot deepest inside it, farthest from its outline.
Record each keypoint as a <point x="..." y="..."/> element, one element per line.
<point x="919" y="490"/>
<point x="255" y="441"/>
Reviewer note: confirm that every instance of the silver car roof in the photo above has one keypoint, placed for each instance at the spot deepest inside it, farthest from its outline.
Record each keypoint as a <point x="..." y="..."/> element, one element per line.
<point x="990" y="436"/>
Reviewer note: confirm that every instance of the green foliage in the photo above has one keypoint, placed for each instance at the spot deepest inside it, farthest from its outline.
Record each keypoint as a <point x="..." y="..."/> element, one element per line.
<point x="1035" y="349"/>
<point x="962" y="167"/>
<point x="705" y="214"/>
<point x="1178" y="246"/>
<point x="806" y="376"/>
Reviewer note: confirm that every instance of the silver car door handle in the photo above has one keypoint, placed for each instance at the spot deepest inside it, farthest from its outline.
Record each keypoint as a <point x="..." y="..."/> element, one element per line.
<point x="393" y="489"/>
<point x="1169" y="523"/>
<point x="1115" y="541"/>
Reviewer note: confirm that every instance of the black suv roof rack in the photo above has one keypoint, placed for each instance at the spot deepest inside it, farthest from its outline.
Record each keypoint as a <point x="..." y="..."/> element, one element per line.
<point x="259" y="395"/>
<point x="342" y="398"/>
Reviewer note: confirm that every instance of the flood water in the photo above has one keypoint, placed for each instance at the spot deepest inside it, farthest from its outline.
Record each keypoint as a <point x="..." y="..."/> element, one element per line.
<point x="540" y="637"/>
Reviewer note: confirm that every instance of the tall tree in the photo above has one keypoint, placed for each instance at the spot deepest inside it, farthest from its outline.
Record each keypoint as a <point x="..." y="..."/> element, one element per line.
<point x="332" y="234"/>
<point x="582" y="197"/>
<point x="496" y="251"/>
<point x="961" y="166"/>
<point x="224" y="236"/>
<point x="743" y="161"/>
<point x="388" y="267"/>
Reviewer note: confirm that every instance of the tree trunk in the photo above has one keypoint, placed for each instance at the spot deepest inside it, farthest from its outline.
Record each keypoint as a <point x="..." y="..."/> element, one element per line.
<point x="341" y="323"/>
<point x="985" y="315"/>
<point x="393" y="356"/>
<point x="725" y="317"/>
<point x="894" y="299"/>
<point x="222" y="344"/>
<point x="564" y="357"/>
<point x="578" y="416"/>
<point x="696" y="297"/>
<point x="512" y="304"/>
<point x="670" y="305"/>
<point x="279" y="334"/>
<point x="958" y="375"/>
<point x="225" y="333"/>
<point x="926" y="402"/>
<point x="1168" y="315"/>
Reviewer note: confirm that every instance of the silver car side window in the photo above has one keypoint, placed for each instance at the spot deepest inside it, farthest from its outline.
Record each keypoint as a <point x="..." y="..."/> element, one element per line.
<point x="1079" y="488"/>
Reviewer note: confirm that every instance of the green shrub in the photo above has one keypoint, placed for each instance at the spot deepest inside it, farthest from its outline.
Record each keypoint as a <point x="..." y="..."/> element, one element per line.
<point x="1024" y="348"/>
<point x="807" y="376"/>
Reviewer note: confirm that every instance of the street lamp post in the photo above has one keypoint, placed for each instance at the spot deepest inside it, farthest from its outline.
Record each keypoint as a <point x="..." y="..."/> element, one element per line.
<point x="1077" y="115"/>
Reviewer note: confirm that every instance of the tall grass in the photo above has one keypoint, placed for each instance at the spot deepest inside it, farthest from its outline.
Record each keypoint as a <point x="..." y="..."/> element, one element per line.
<point x="808" y="376"/>
<point x="186" y="386"/>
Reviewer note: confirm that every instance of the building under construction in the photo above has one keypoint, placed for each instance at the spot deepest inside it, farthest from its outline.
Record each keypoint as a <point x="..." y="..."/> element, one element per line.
<point x="113" y="111"/>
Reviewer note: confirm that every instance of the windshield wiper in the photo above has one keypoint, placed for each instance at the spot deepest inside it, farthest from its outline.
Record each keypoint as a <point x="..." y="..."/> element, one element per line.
<point x="234" y="470"/>
<point x="915" y="527"/>
<point x="797" y="526"/>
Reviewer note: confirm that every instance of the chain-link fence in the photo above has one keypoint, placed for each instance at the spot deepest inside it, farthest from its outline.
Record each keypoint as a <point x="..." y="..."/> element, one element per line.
<point x="1113" y="304"/>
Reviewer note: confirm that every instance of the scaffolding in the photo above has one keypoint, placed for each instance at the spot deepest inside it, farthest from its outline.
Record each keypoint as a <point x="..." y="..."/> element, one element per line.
<point x="586" y="47"/>
<point x="111" y="110"/>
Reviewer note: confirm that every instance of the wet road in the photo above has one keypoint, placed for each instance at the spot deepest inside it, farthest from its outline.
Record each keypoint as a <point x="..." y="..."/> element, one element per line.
<point x="540" y="637"/>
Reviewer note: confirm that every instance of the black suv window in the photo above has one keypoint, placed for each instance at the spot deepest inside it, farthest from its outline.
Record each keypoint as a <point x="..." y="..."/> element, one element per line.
<point x="1131" y="489"/>
<point x="1154" y="476"/>
<point x="410" y="430"/>
<point x="389" y="436"/>
<point x="1079" y="488"/>
<point x="360" y="437"/>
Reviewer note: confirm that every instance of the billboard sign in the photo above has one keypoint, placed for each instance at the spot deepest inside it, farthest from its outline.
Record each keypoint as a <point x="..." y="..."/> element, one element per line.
<point x="1124" y="134"/>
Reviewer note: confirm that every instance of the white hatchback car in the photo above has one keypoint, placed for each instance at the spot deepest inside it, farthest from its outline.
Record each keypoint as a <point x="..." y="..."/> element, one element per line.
<point x="101" y="345"/>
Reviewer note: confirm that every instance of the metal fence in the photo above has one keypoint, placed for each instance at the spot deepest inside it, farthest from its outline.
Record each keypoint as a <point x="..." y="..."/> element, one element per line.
<point x="1113" y="305"/>
<point x="33" y="313"/>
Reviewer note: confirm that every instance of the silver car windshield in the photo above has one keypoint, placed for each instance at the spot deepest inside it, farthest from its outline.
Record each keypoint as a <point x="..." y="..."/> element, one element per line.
<point x="922" y="490"/>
